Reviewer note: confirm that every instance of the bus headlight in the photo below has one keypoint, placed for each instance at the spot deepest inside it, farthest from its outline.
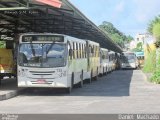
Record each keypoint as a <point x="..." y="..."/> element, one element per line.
<point x="22" y="72"/>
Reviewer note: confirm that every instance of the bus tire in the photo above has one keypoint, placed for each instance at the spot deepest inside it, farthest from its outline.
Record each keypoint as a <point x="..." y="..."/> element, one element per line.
<point x="81" y="82"/>
<point x="69" y="89"/>
<point x="96" y="77"/>
<point x="91" y="77"/>
<point x="105" y="72"/>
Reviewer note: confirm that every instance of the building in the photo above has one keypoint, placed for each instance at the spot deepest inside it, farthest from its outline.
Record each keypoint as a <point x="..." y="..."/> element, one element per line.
<point x="141" y="38"/>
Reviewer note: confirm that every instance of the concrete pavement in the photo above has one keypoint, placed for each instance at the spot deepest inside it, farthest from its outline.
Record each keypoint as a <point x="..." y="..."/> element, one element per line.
<point x="8" y="89"/>
<point x="123" y="91"/>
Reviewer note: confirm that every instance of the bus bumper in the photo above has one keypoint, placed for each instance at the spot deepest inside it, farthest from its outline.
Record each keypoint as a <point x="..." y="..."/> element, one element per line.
<point x="52" y="83"/>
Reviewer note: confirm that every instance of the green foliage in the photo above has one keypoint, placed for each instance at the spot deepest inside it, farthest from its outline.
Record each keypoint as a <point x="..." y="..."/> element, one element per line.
<point x="129" y="38"/>
<point x="139" y="45"/>
<point x="156" y="75"/>
<point x="152" y="23"/>
<point x="117" y="36"/>
<point x="156" y="31"/>
<point x="2" y="44"/>
<point x="138" y="48"/>
<point x="150" y="62"/>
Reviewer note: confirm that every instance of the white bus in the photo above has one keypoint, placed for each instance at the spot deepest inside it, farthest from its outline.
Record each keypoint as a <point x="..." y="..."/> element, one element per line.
<point x="55" y="60"/>
<point x="111" y="65"/>
<point x="104" y="61"/>
<point x="129" y="60"/>
<point x="93" y="57"/>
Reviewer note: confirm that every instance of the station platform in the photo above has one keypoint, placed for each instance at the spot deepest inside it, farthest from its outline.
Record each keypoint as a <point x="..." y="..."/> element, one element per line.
<point x="8" y="89"/>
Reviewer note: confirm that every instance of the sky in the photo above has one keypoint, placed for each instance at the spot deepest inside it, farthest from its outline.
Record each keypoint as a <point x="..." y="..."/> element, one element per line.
<point x="129" y="16"/>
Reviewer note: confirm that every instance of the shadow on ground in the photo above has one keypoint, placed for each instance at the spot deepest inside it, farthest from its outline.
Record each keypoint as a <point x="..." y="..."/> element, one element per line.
<point x="8" y="84"/>
<point x="114" y="84"/>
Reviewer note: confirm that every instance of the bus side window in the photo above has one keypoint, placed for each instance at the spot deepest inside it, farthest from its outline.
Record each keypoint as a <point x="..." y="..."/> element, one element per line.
<point x="80" y="54"/>
<point x="70" y="51"/>
<point x="97" y="51"/>
<point x="90" y="53"/>
<point x="94" y="49"/>
<point x="107" y="56"/>
<point x="74" y="53"/>
<point x="85" y="51"/>
<point x="77" y="49"/>
<point x="82" y="50"/>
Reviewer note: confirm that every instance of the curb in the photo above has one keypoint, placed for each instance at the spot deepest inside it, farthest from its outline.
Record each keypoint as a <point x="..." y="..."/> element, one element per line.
<point x="9" y="95"/>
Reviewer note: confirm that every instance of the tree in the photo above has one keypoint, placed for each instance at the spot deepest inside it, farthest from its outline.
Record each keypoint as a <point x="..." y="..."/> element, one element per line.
<point x="138" y="48"/>
<point x="129" y="38"/>
<point x="2" y="44"/>
<point x="154" y="29"/>
<point x="152" y="24"/>
<point x="117" y="36"/>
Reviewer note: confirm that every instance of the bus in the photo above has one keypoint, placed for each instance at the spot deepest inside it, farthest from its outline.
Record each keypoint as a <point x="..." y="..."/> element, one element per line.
<point x="104" y="60"/>
<point x="93" y="56"/>
<point x="111" y="64"/>
<point x="56" y="60"/>
<point x="129" y="60"/>
<point x="117" y="61"/>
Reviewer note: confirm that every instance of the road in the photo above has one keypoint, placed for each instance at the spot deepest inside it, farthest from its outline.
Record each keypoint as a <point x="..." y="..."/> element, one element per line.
<point x="123" y="91"/>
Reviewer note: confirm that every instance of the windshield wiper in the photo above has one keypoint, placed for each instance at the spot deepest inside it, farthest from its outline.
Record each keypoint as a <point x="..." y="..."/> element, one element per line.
<point x="50" y="47"/>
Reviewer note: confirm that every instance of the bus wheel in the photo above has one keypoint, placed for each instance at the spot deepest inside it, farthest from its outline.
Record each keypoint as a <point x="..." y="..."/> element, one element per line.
<point x="91" y="78"/>
<point x="105" y="72"/>
<point x="96" y="77"/>
<point x="69" y="89"/>
<point x="81" y="82"/>
<point x="101" y="74"/>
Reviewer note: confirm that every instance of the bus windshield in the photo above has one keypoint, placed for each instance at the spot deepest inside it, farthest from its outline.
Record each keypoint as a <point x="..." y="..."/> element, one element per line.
<point x="44" y="55"/>
<point x="128" y="58"/>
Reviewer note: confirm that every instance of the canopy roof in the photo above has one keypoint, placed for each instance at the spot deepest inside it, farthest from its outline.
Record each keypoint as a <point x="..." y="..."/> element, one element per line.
<point x="21" y="16"/>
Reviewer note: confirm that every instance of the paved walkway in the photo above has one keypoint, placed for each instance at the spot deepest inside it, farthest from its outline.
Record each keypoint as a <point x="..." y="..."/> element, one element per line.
<point x="124" y="91"/>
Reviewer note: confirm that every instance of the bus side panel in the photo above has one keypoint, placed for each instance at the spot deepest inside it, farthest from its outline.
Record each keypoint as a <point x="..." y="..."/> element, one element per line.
<point x="76" y="66"/>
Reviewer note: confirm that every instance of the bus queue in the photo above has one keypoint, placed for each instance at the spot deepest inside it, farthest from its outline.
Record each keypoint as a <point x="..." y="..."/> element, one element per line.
<point x="50" y="60"/>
